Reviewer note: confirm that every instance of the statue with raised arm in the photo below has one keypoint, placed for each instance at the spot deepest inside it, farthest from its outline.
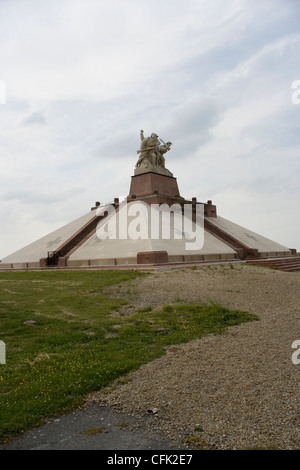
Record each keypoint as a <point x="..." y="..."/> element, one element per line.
<point x="151" y="155"/>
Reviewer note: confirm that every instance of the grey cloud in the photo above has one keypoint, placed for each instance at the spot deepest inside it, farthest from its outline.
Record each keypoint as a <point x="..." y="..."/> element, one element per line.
<point x="117" y="146"/>
<point x="32" y="197"/>
<point x="189" y="126"/>
<point x="34" y="118"/>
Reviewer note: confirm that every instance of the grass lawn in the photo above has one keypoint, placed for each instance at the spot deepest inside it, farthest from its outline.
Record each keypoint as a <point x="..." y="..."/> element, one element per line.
<point x="63" y="339"/>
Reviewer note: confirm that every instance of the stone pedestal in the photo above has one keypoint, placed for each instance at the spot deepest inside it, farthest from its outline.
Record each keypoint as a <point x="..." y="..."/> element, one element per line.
<point x="153" y="186"/>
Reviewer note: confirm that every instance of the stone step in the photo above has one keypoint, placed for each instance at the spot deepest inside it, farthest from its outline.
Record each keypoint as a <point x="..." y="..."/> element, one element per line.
<point x="289" y="264"/>
<point x="60" y="256"/>
<point x="242" y="249"/>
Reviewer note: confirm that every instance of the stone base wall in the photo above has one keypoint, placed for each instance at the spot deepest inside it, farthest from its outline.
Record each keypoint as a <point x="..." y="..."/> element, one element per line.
<point x="154" y="258"/>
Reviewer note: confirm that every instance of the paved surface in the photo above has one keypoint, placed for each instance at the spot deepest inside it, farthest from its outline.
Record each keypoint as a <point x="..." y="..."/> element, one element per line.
<point x="95" y="428"/>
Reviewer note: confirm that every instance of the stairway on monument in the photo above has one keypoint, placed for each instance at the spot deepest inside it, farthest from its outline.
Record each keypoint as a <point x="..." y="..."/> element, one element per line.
<point x="61" y="254"/>
<point x="288" y="264"/>
<point x="242" y="249"/>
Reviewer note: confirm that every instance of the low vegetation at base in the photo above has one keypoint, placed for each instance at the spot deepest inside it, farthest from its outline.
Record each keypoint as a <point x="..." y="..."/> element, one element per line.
<point x="64" y="339"/>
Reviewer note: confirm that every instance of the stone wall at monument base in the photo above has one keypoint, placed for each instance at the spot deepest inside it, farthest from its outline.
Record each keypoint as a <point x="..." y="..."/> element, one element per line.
<point x="132" y="261"/>
<point x="171" y="259"/>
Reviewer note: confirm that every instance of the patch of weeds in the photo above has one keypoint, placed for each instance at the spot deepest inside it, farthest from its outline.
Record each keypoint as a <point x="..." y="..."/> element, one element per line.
<point x="198" y="442"/>
<point x="198" y="429"/>
<point x="94" y="430"/>
<point x="145" y="309"/>
<point x="168" y="309"/>
<point x="123" y="425"/>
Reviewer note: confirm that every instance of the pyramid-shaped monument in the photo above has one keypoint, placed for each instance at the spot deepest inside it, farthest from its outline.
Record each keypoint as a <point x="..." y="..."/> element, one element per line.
<point x="153" y="225"/>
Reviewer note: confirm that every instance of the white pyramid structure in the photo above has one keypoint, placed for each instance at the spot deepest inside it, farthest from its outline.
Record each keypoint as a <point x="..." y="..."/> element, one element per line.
<point x="148" y="227"/>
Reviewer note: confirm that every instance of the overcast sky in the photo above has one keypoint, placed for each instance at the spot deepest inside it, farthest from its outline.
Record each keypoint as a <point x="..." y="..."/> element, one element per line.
<point x="79" y="79"/>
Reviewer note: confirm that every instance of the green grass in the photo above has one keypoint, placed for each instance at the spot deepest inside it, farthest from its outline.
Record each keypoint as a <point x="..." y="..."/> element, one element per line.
<point x="94" y="430"/>
<point x="77" y="344"/>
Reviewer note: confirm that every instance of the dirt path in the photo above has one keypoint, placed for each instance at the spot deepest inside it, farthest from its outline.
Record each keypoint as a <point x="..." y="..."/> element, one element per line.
<point x="235" y="391"/>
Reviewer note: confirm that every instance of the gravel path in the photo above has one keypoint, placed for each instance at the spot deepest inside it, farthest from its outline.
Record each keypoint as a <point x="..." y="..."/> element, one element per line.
<point x="239" y="390"/>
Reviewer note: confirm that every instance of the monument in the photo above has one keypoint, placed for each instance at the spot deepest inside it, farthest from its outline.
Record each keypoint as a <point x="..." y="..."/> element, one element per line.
<point x="152" y="180"/>
<point x="120" y="234"/>
<point x="151" y="155"/>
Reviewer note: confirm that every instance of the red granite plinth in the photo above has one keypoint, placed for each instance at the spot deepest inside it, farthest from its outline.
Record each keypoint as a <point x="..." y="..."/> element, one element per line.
<point x="155" y="188"/>
<point x="150" y="184"/>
